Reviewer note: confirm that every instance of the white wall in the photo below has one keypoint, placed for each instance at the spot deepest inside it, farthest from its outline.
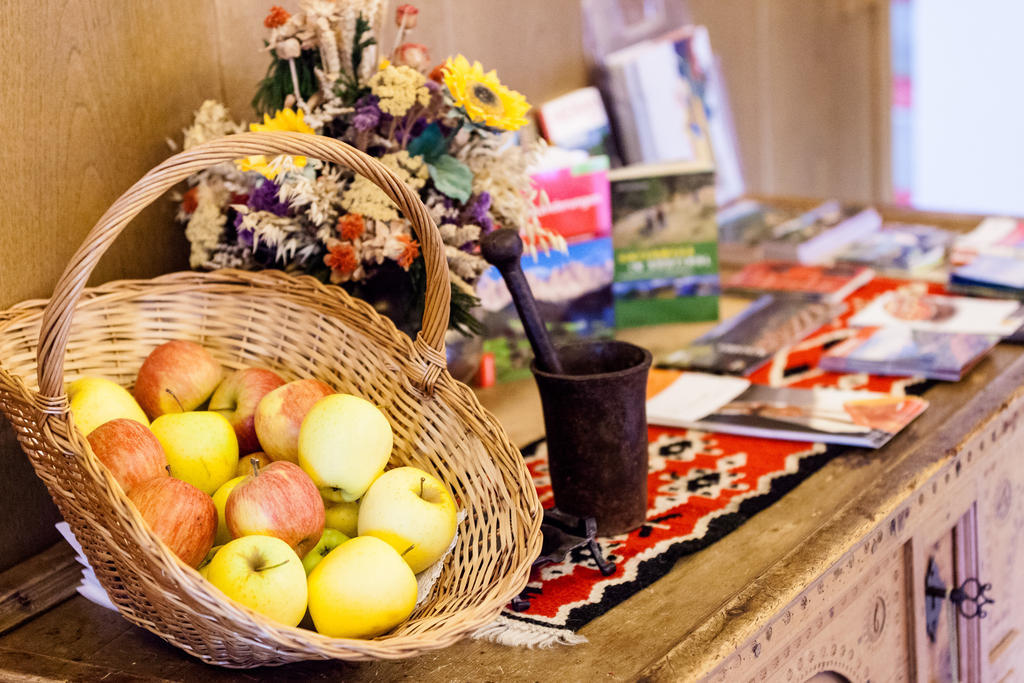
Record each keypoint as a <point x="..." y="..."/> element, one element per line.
<point x="968" y="106"/>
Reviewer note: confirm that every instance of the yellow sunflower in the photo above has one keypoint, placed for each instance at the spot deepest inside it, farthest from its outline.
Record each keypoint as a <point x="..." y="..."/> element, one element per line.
<point x="284" y="120"/>
<point x="483" y="96"/>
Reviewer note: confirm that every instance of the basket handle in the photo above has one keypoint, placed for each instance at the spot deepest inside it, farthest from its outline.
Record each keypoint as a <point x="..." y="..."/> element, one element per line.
<point x="56" y="320"/>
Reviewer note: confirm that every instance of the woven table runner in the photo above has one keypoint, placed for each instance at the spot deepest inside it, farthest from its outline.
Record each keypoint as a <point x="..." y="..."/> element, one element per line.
<point x="701" y="486"/>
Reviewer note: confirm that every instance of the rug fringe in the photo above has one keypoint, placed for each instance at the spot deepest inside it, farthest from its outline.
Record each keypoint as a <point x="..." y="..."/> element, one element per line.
<point x="505" y="631"/>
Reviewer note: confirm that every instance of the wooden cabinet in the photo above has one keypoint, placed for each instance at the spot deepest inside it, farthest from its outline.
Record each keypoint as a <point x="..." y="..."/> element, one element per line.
<point x="865" y="618"/>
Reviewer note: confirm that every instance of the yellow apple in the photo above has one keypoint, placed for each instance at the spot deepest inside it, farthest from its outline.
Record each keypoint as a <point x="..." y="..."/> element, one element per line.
<point x="264" y="574"/>
<point x="342" y="516"/>
<point x="330" y="540"/>
<point x="220" y="501"/>
<point x="245" y="463"/>
<point x="344" y="443"/>
<point x="201" y="448"/>
<point x="413" y="512"/>
<point x="363" y="588"/>
<point x="95" y="400"/>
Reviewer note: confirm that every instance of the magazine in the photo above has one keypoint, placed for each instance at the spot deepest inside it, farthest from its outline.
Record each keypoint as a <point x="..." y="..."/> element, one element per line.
<point x="910" y="307"/>
<point x="700" y="67"/>
<point x="994" y="236"/>
<point x="655" y="112"/>
<point x="825" y="283"/>
<point x="747" y="341"/>
<point x="900" y="248"/>
<point x="817" y="235"/>
<point x="906" y="352"/>
<point x="733" y="405"/>
<point x="666" y="246"/>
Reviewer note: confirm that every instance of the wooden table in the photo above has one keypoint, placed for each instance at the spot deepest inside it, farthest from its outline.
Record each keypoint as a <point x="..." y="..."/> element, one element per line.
<point x="828" y="579"/>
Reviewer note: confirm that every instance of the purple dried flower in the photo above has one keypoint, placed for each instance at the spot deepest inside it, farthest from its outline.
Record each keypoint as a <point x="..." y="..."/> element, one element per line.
<point x="476" y="210"/>
<point x="264" y="198"/>
<point x="367" y="115"/>
<point x="244" y="236"/>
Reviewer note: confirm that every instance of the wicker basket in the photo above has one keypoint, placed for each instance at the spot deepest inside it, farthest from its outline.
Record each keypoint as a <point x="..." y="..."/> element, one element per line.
<point x="300" y="328"/>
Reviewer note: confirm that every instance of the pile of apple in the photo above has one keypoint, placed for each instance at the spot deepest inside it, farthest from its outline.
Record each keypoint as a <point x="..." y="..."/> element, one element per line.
<point x="276" y="491"/>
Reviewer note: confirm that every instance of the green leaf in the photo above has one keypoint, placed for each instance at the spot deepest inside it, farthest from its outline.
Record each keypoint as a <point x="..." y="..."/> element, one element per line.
<point x="452" y="177"/>
<point x="430" y="144"/>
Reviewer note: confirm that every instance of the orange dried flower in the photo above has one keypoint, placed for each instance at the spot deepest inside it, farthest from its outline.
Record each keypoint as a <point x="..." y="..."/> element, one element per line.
<point x="276" y="17"/>
<point x="341" y="259"/>
<point x="189" y="201"/>
<point x="437" y="73"/>
<point x="351" y="226"/>
<point x="409" y="253"/>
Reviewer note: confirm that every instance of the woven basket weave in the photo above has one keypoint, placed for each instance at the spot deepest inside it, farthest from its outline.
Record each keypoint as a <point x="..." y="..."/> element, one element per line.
<point x="300" y="328"/>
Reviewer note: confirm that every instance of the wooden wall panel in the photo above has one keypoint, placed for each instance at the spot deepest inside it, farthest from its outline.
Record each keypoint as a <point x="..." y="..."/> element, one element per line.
<point x="808" y="83"/>
<point x="535" y="45"/>
<point x="91" y="90"/>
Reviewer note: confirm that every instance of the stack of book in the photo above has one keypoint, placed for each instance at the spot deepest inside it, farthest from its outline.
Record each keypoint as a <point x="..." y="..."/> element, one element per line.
<point x="900" y="249"/>
<point x="751" y="231"/>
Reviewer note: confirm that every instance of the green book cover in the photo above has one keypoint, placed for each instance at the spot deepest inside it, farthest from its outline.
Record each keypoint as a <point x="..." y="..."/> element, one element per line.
<point x="665" y="239"/>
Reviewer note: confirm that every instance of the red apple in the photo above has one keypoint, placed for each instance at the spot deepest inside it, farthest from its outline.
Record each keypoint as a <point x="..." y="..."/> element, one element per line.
<point x="180" y="515"/>
<point x="281" y="501"/>
<point x="130" y="451"/>
<point x="176" y="377"/>
<point x="236" y="399"/>
<point x="279" y="416"/>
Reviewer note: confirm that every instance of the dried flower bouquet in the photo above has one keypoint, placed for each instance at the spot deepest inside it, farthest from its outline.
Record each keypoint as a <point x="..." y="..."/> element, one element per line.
<point x="446" y="130"/>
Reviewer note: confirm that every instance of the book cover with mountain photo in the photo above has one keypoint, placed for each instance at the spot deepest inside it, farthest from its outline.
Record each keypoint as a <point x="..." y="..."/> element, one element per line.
<point x="574" y="297"/>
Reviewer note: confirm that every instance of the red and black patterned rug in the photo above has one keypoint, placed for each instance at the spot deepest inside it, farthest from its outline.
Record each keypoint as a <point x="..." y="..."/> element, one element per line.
<point x="701" y="486"/>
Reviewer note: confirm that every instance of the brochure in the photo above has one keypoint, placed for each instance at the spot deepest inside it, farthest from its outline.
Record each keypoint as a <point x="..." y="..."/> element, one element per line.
<point x="747" y="341"/>
<point x="666" y="246"/>
<point x="900" y="248"/>
<point x="906" y="352"/>
<point x="827" y="283"/>
<point x="735" y="406"/>
<point x="909" y="307"/>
